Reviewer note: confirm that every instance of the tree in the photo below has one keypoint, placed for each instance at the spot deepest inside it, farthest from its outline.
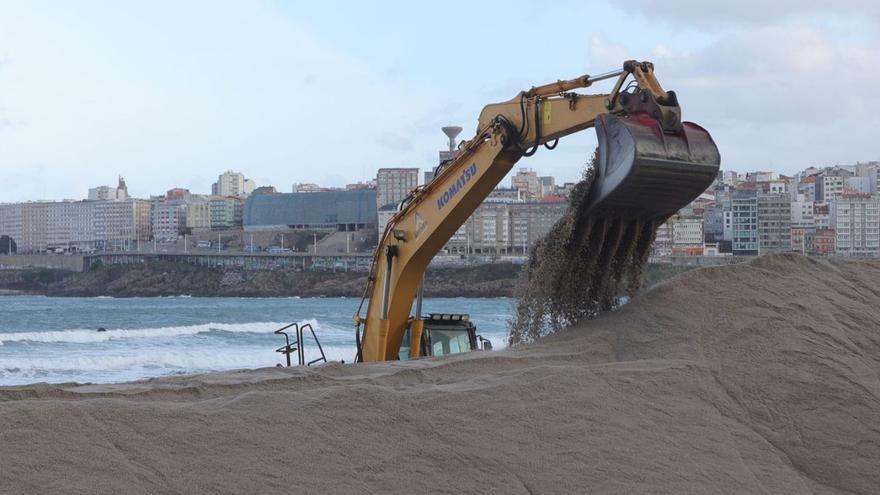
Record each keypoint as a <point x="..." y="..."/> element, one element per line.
<point x="7" y="245"/>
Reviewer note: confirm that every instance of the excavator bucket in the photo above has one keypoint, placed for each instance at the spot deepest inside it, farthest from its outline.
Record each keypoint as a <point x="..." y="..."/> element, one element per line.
<point x="646" y="173"/>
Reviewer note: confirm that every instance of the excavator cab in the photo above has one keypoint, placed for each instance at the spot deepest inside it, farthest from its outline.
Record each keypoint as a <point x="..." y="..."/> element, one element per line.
<point x="445" y="334"/>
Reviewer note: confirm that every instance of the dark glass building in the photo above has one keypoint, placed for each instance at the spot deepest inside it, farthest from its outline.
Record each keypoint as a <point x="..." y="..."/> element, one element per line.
<point x="342" y="211"/>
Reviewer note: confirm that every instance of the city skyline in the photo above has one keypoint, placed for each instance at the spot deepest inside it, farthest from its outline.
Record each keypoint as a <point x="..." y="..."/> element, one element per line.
<point x="206" y="190"/>
<point x="94" y="90"/>
<point x="820" y="211"/>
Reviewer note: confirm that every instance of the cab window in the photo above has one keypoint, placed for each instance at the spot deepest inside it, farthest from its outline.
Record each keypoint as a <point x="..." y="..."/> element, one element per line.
<point x="445" y="342"/>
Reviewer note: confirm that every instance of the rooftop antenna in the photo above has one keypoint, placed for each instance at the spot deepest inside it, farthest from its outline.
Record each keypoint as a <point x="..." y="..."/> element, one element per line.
<point x="451" y="132"/>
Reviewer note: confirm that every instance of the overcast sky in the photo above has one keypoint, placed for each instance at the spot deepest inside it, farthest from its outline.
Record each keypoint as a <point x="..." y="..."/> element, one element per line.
<point x="170" y="94"/>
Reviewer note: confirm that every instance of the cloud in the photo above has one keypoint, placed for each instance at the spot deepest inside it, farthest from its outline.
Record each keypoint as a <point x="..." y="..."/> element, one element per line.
<point x="186" y="90"/>
<point x="272" y="100"/>
<point x="396" y="142"/>
<point x="790" y="95"/>
<point x="780" y="91"/>
<point x="604" y="53"/>
<point x="708" y="15"/>
<point x="776" y="73"/>
<point x="4" y="120"/>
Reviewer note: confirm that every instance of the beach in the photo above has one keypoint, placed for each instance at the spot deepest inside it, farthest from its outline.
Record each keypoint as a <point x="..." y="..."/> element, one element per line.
<point x="754" y="378"/>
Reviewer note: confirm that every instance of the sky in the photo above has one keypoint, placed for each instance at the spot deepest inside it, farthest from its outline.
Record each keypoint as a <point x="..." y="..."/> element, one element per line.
<point x="173" y="93"/>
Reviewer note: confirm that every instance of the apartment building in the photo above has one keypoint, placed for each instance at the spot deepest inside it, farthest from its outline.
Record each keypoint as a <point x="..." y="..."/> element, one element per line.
<point x="687" y="235"/>
<point x="168" y="219"/>
<point x="394" y="184"/>
<point x="121" y="224"/>
<point x="831" y="183"/>
<point x="856" y="222"/>
<point x="528" y="183"/>
<point x="774" y="223"/>
<point x="10" y="221"/>
<point x="232" y="184"/>
<point x="225" y="213"/>
<point x="744" y="206"/>
<point x="504" y="227"/>
<point x="802" y="211"/>
<point x="198" y="216"/>
<point x="55" y="226"/>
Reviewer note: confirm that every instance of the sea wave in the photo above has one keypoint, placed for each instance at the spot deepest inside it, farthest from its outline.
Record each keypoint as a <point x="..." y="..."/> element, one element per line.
<point x="80" y="335"/>
<point x="99" y="368"/>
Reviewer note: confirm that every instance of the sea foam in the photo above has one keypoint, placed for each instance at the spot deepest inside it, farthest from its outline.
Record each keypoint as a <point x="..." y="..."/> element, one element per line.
<point x="82" y="336"/>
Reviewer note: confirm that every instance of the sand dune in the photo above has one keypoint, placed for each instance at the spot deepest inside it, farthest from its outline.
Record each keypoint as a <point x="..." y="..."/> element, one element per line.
<point x="758" y="378"/>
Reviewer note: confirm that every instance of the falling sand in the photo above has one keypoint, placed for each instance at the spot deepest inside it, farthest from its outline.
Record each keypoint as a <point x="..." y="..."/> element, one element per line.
<point x="754" y="378"/>
<point x="581" y="267"/>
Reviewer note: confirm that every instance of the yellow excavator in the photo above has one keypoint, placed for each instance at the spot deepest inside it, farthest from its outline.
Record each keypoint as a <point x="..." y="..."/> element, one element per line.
<point x="650" y="164"/>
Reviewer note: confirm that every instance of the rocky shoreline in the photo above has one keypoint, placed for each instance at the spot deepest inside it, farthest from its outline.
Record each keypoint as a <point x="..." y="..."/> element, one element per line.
<point x="172" y="279"/>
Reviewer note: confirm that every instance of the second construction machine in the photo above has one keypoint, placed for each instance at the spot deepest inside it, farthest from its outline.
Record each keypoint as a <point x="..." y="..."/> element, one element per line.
<point x="650" y="165"/>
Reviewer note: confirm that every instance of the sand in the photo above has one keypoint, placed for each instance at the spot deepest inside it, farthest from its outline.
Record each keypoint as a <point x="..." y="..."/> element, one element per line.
<point x="588" y="259"/>
<point x="757" y="378"/>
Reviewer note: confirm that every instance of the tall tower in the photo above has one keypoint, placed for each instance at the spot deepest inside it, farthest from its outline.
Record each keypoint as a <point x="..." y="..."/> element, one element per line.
<point x="121" y="189"/>
<point x="451" y="132"/>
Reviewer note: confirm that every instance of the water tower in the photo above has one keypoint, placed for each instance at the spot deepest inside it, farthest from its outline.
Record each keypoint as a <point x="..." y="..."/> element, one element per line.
<point x="451" y="132"/>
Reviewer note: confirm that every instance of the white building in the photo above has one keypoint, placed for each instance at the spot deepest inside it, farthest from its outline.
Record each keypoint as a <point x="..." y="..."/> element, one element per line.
<point x="121" y="225"/>
<point x="168" y="219"/>
<point x="301" y="187"/>
<point x="761" y="176"/>
<point x="687" y="235"/>
<point x="528" y="183"/>
<point x="776" y="186"/>
<point x="384" y="214"/>
<point x="802" y="212"/>
<point x="830" y="184"/>
<point x="395" y="184"/>
<point x="232" y="184"/>
<point x="532" y="220"/>
<point x="856" y="222"/>
<point x="76" y="225"/>
<point x="502" y="226"/>
<point x="492" y="228"/>
<point x="107" y="193"/>
<point x="70" y="225"/>
<point x="730" y="178"/>
<point x="10" y="221"/>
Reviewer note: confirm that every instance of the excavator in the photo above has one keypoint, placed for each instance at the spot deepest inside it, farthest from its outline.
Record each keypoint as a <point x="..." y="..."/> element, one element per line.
<point x="650" y="165"/>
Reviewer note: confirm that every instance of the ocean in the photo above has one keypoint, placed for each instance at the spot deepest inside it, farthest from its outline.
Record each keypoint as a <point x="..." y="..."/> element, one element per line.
<point x="55" y="340"/>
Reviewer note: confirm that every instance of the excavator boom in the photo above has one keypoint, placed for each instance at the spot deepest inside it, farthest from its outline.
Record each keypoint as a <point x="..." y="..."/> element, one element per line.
<point x="650" y="165"/>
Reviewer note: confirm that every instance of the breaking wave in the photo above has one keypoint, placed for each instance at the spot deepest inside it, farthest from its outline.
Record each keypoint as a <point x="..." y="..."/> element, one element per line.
<point x="116" y="368"/>
<point x="82" y="336"/>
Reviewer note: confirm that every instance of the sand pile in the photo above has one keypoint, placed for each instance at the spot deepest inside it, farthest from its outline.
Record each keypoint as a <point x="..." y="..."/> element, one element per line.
<point x="758" y="378"/>
<point x="579" y="269"/>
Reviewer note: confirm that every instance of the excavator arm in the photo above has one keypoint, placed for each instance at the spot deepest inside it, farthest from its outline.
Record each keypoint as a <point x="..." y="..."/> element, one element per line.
<point x="651" y="164"/>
